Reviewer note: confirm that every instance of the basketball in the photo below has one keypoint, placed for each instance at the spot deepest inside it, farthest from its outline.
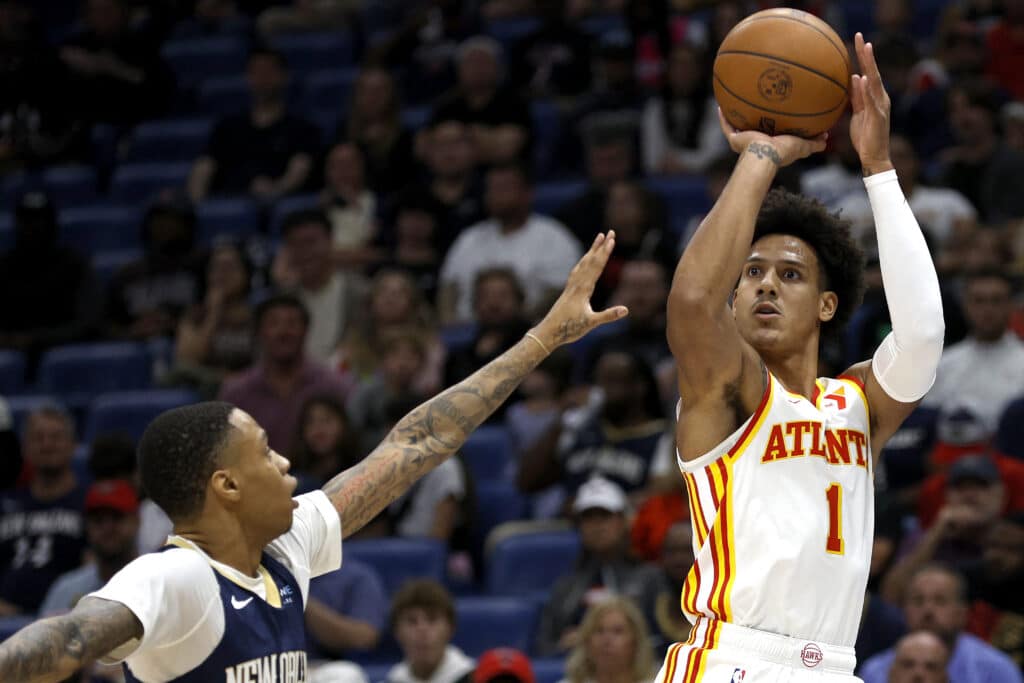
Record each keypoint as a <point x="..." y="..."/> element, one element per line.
<point x="783" y="72"/>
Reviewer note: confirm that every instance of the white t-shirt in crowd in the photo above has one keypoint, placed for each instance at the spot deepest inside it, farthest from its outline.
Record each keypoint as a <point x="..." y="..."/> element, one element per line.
<point x="541" y="253"/>
<point x="419" y="505"/>
<point x="177" y="598"/>
<point x="937" y="209"/>
<point x="832" y="183"/>
<point x="328" y="315"/>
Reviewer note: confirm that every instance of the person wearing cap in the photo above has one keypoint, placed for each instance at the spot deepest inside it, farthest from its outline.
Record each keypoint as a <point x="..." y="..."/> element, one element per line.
<point x="503" y="665"/>
<point x="604" y="567"/>
<point x="111" y="526"/>
<point x="936" y="602"/>
<point x="996" y="587"/>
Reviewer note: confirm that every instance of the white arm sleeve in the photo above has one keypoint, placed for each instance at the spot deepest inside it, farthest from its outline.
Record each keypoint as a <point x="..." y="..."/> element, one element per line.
<point x="906" y="360"/>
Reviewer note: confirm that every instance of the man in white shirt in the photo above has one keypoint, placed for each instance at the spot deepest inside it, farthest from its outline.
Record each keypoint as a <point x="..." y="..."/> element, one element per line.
<point x="841" y="176"/>
<point x="539" y="249"/>
<point x="224" y="601"/>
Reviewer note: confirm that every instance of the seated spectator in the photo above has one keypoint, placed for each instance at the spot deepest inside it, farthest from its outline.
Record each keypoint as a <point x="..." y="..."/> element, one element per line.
<point x="305" y="265"/>
<point x="841" y="175"/>
<point x="303" y="15"/>
<point x="111" y="528"/>
<point x="622" y="435"/>
<point x="654" y="519"/>
<point x="540" y="250"/>
<point x="117" y="75"/>
<point x="936" y="601"/>
<point x="680" y="126"/>
<point x="423" y="621"/>
<point x="716" y="176"/>
<point x="415" y="247"/>
<point x="58" y="298"/>
<point x="350" y="206"/>
<point x="326" y="442"/>
<point x="265" y="152"/>
<point x="538" y="405"/>
<point x="42" y="531"/>
<point x="346" y="611"/>
<point x="604" y="569"/>
<point x="920" y="657"/>
<point x="994" y="588"/>
<point x="612" y="646"/>
<point x="498" y="119"/>
<point x="1006" y="49"/>
<point x="213" y="17"/>
<point x="274" y="389"/>
<point x="503" y="665"/>
<point x="638" y="233"/>
<point x="214" y="338"/>
<point x="554" y="60"/>
<point x="393" y="302"/>
<point x="659" y="601"/>
<point x="146" y="299"/>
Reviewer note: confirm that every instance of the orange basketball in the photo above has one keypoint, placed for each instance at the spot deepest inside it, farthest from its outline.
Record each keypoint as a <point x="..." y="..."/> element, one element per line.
<point x="782" y="71"/>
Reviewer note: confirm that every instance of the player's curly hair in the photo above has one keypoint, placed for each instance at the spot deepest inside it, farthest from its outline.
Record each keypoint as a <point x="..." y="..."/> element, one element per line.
<point x="840" y="258"/>
<point x="179" y="452"/>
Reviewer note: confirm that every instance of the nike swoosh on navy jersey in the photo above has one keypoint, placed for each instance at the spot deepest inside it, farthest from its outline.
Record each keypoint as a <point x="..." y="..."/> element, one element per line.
<point x="239" y="604"/>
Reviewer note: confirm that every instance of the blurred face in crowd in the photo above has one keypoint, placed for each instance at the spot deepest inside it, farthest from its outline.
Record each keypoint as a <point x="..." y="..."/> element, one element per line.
<point x="988" y="305"/>
<point x="374" y="93"/>
<point x="972" y="123"/>
<point x="226" y="272"/>
<point x="168" y="235"/>
<point x="282" y="333"/>
<point x="309" y="248"/>
<point x="111" y="533"/>
<point x="981" y="502"/>
<point x="423" y="636"/>
<point x="892" y="15"/>
<point x="920" y="658"/>
<point x="344" y="168"/>
<point x="451" y="151"/>
<point x="267" y="78"/>
<point x="497" y="301"/>
<point x="49" y="443"/>
<point x="392" y="298"/>
<point x="401" y="363"/>
<point x="933" y="604"/>
<point x="904" y="159"/>
<point x="612" y="645"/>
<point x="626" y="213"/>
<point x="415" y="229"/>
<point x="107" y="18"/>
<point x="684" y="70"/>
<point x="616" y="375"/>
<point x="677" y="552"/>
<point x="602" y="532"/>
<point x="508" y="195"/>
<point x="642" y="288"/>
<point x="1004" y="551"/>
<point x="322" y="429"/>
<point x="479" y="70"/>
<point x="609" y="162"/>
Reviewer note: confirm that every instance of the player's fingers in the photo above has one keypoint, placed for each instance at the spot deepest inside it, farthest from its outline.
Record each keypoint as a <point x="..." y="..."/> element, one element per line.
<point x="858" y="46"/>
<point x="592" y="265"/>
<point x="609" y="315"/>
<point x="726" y="126"/>
<point x="856" y="93"/>
<point x="874" y="76"/>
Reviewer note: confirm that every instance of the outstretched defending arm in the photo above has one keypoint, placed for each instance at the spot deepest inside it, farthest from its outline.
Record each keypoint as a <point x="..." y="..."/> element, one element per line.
<point x="434" y="431"/>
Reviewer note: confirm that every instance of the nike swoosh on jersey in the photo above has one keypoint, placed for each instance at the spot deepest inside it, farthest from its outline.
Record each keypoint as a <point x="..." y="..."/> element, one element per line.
<point x="239" y="604"/>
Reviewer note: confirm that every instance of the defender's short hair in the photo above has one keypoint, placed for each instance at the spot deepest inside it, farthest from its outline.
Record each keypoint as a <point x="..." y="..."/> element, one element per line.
<point x="178" y="453"/>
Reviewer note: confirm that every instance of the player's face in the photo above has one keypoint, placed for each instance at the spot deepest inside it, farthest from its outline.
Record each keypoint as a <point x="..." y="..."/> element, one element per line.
<point x="612" y="645"/>
<point x="932" y="604"/>
<point x="778" y="303"/>
<point x="264" y="487"/>
<point x="423" y="636"/>
<point x="919" y="658"/>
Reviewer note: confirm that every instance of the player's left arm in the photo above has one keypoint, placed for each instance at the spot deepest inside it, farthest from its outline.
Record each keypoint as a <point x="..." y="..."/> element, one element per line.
<point x="903" y="368"/>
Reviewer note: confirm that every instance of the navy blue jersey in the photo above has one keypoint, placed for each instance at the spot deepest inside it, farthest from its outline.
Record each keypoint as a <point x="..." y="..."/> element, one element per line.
<point x="624" y="456"/>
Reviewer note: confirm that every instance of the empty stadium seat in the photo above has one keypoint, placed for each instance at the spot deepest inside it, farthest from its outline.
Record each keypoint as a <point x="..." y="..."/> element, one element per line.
<point x="482" y="623"/>
<point x="169" y="140"/>
<point x="224" y="96"/>
<point x="140" y="182"/>
<point x="551" y="196"/>
<point x="23" y="405"/>
<point x="684" y="196"/>
<point x="288" y="205"/>
<point x="487" y="452"/>
<point x="196" y="59"/>
<point x="70" y="185"/>
<point x="107" y="263"/>
<point x="497" y="502"/>
<point x="92" y="229"/>
<point x="78" y="372"/>
<point x="1010" y="434"/>
<point x="237" y="219"/>
<point x="548" y="669"/>
<point x="307" y="52"/>
<point x="528" y="564"/>
<point x="328" y="89"/>
<point x="12" y="372"/>
<point x="129" y="412"/>
<point x="399" y="559"/>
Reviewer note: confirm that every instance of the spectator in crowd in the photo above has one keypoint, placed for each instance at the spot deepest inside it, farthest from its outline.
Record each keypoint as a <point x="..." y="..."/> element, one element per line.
<point x="841" y="175"/>
<point x="42" y="531"/>
<point x="423" y="621"/>
<point x="1012" y="115"/>
<point x="350" y="206"/>
<point x="305" y="265"/>
<point x="111" y="528"/>
<point x="979" y="166"/>
<point x="326" y="442"/>
<point x="145" y="299"/>
<point x="882" y="622"/>
<point x="936" y="601"/>
<point x="622" y="435"/>
<point x="274" y="389"/>
<point x="555" y="59"/>
<point x="1006" y="49"/>
<point x="680" y="128"/>
<point x="920" y="657"/>
<point x="994" y="588"/>
<point x="265" y="152"/>
<point x="503" y="665"/>
<point x="498" y="119"/>
<point x="538" y="406"/>
<point x="213" y="17"/>
<point x="540" y="250"/>
<point x="304" y="15"/>
<point x="653" y="520"/>
<point x="10" y="449"/>
<point x="985" y="371"/>
<point x="58" y="300"/>
<point x="346" y="611"/>
<point x="214" y="337"/>
<point x="374" y="123"/>
<point x="659" y="601"/>
<point x="604" y="569"/>
<point x="612" y="646"/>
<point x="116" y="72"/>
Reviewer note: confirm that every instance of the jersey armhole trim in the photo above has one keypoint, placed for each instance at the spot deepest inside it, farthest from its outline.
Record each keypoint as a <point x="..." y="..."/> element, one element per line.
<point x="755" y="420"/>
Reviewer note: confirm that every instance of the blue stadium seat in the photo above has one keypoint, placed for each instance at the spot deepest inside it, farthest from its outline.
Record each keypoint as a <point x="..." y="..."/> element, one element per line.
<point x="487" y="452"/>
<point x="414" y="118"/>
<point x="1010" y="434"/>
<point x="457" y="335"/>
<point x="129" y="412"/>
<point x="399" y="559"/>
<point x="196" y="59"/>
<point x="497" y="502"/>
<point x="11" y="625"/>
<point x="107" y="263"/>
<point x="224" y="96"/>
<point x="307" y="52"/>
<point x="169" y="140"/>
<point x="70" y="185"/>
<point x="237" y="219"/>
<point x="92" y="229"/>
<point x="482" y="623"/>
<point x="80" y="464"/>
<point x="326" y="121"/>
<point x="22" y="405"/>
<point x="528" y="564"/>
<point x="685" y="197"/>
<point x="6" y="231"/>
<point x="140" y="182"/>
<point x="12" y="372"/>
<point x="548" y="669"/>
<point x="551" y="196"/>
<point x="508" y="32"/>
<point x="288" y="205"/>
<point x="378" y="673"/>
<point x="79" y="372"/>
<point x="328" y="89"/>
<point x="547" y="127"/>
<point x="905" y="456"/>
<point x="600" y="24"/>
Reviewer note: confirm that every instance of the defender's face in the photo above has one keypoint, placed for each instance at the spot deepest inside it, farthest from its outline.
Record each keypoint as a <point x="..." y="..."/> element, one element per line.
<point x="261" y="474"/>
<point x="778" y="302"/>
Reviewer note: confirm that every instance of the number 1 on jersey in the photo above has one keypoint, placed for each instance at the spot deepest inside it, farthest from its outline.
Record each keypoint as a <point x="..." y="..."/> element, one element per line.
<point x="834" y="494"/>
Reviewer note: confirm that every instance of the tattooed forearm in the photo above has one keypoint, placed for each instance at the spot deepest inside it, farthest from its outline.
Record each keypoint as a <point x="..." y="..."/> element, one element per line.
<point x="427" y="436"/>
<point x="53" y="649"/>
<point x="765" y="151"/>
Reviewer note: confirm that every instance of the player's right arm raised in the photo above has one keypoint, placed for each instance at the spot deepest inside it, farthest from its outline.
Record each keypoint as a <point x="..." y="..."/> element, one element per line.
<point x="51" y="650"/>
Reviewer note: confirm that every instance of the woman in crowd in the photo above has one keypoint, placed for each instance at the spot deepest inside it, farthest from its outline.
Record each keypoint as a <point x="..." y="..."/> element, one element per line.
<point x="613" y="646"/>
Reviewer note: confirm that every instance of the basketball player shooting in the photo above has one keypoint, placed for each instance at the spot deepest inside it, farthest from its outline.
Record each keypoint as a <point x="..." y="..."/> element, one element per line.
<point x="224" y="601"/>
<point x="777" y="462"/>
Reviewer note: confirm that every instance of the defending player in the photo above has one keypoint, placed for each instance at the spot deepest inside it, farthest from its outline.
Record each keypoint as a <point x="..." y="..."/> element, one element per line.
<point x="778" y="464"/>
<point x="225" y="603"/>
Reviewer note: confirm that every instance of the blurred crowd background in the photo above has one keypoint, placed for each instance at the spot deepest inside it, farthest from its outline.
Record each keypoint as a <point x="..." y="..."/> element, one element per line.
<point x="324" y="211"/>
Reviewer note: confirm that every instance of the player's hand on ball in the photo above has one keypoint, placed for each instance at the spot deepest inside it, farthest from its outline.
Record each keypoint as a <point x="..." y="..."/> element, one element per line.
<point x="781" y="149"/>
<point x="571" y="316"/>
<point x="869" y="127"/>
